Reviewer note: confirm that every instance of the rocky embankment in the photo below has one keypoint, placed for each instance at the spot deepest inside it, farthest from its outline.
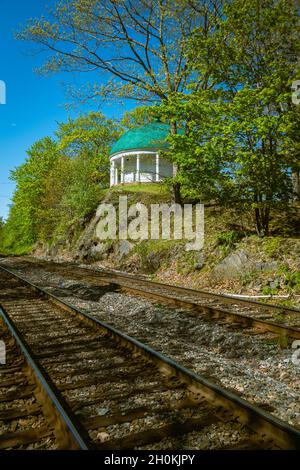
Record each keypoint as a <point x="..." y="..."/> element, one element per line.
<point x="233" y="260"/>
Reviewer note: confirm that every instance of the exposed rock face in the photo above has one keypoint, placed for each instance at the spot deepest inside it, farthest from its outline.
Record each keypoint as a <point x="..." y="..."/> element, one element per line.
<point x="97" y="250"/>
<point x="238" y="263"/>
<point x="90" y="247"/>
<point x="200" y="261"/>
<point x="265" y="266"/>
<point x="232" y="266"/>
<point x="87" y="245"/>
<point x="123" y="248"/>
<point x="153" y="261"/>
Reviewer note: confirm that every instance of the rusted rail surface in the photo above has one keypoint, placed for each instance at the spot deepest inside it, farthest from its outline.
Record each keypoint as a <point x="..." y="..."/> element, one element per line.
<point x="122" y="276"/>
<point x="248" y="314"/>
<point x="61" y="425"/>
<point x="88" y="364"/>
<point x="19" y="407"/>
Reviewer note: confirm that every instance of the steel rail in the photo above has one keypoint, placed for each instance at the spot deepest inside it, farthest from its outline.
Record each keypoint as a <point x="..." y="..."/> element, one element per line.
<point x="257" y="419"/>
<point x="227" y="298"/>
<point x="69" y="431"/>
<point x="195" y="307"/>
<point x="209" y="310"/>
<point x="188" y="290"/>
<point x="217" y="312"/>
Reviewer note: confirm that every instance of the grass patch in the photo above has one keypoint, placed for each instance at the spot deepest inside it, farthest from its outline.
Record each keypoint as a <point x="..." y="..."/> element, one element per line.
<point x="248" y="277"/>
<point x="17" y="250"/>
<point x="229" y="238"/>
<point x="153" y="254"/>
<point x="271" y="246"/>
<point x="150" y="188"/>
<point x="267" y="290"/>
<point x="292" y="280"/>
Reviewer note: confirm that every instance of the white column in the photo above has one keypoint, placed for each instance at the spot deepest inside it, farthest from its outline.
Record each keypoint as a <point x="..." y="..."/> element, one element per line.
<point x="137" y="168"/>
<point x="122" y="169"/>
<point x="174" y="169"/>
<point x="112" y="173"/>
<point x="116" y="175"/>
<point x="157" y="167"/>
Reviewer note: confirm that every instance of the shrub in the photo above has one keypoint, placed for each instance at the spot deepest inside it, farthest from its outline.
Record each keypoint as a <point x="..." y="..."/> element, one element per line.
<point x="228" y="239"/>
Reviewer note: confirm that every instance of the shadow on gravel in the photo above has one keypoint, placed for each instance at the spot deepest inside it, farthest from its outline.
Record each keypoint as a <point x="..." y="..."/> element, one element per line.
<point x="83" y="292"/>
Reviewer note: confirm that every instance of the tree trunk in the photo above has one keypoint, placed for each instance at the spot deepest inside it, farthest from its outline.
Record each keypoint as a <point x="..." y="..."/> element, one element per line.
<point x="296" y="184"/>
<point x="262" y="215"/>
<point x="262" y="220"/>
<point x="176" y="185"/>
<point x="177" y="193"/>
<point x="257" y="221"/>
<point x="265" y="221"/>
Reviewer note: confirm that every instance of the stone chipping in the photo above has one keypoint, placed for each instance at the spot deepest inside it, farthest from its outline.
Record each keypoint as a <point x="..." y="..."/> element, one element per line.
<point x="252" y="365"/>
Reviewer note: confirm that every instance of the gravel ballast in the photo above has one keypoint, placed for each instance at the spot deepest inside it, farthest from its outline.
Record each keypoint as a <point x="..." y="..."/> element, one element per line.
<point x="254" y="366"/>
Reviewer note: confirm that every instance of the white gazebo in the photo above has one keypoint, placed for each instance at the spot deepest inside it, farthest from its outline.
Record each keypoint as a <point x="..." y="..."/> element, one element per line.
<point x="136" y="158"/>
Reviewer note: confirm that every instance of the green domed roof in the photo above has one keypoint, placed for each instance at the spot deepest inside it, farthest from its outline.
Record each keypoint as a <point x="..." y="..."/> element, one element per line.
<point x="149" y="137"/>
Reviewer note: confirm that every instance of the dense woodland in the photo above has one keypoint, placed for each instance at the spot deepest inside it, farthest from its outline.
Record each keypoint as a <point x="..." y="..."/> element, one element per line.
<point x="221" y="70"/>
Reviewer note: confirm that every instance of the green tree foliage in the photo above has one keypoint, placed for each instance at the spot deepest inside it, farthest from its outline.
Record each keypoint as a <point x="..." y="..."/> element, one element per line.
<point x="60" y="182"/>
<point x="242" y="123"/>
<point x="138" y="48"/>
<point x="221" y="69"/>
<point x="139" y="116"/>
<point x="23" y="224"/>
<point x="87" y="141"/>
<point x="56" y="215"/>
<point x="1" y="230"/>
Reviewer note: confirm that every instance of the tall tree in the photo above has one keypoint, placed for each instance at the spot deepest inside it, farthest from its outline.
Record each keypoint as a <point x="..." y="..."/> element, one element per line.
<point x="30" y="178"/>
<point x="87" y="141"/>
<point x="23" y="225"/>
<point x="248" y="122"/>
<point x="137" y="48"/>
<point x="89" y="137"/>
<point x="1" y="230"/>
<point x="61" y="180"/>
<point x="139" y="116"/>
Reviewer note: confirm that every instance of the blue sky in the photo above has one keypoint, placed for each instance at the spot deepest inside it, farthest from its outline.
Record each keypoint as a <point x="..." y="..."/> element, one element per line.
<point x="33" y="103"/>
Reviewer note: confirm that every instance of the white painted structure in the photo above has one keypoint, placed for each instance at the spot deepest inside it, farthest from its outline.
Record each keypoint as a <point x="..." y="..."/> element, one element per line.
<point x="139" y="167"/>
<point x="137" y="158"/>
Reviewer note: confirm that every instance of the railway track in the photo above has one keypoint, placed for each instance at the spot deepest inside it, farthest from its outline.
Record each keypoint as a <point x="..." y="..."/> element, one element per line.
<point x="32" y="415"/>
<point x="283" y="322"/>
<point x="91" y="386"/>
<point x="20" y="409"/>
